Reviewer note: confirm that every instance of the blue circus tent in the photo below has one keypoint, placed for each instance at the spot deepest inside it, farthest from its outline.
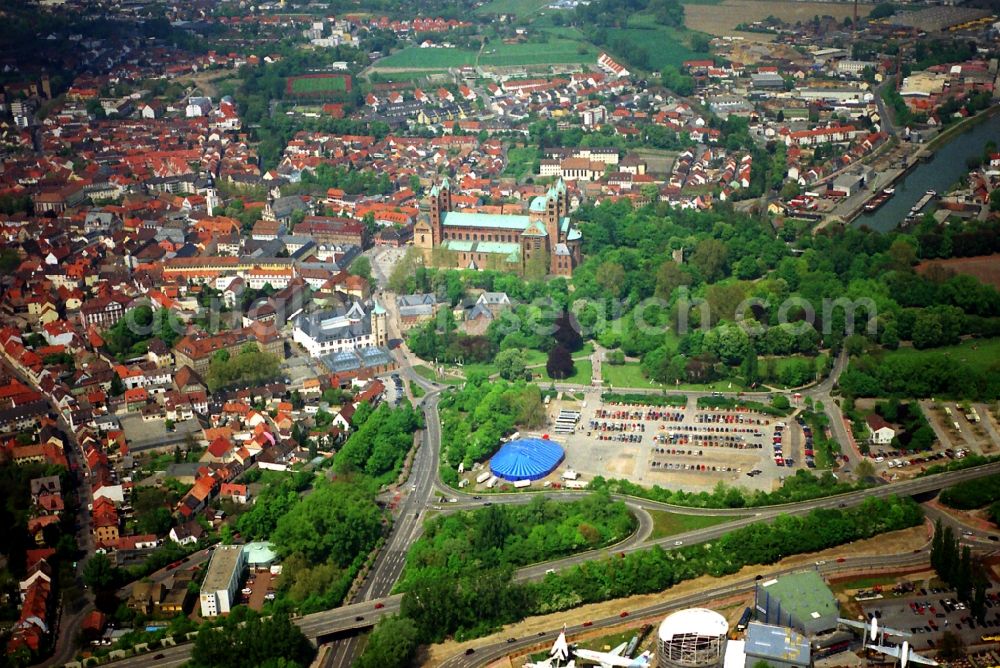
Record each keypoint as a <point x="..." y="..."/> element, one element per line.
<point x="526" y="459"/>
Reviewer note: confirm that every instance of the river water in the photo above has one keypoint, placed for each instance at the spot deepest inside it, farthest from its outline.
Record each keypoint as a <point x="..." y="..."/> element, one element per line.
<point x="940" y="173"/>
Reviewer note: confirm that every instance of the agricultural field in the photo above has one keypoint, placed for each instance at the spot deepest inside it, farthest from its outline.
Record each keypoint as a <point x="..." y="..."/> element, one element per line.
<point x="723" y="17"/>
<point x="317" y="85"/>
<point x="986" y="268"/>
<point x="553" y="52"/>
<point x="519" y="7"/>
<point x="663" y="45"/>
<point x="414" y="57"/>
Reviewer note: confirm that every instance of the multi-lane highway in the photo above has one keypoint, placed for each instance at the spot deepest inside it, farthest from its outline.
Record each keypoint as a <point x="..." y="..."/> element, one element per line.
<point x="388" y="566"/>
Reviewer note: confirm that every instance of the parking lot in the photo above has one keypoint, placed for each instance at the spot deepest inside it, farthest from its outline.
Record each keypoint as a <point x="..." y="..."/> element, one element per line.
<point x="395" y="393"/>
<point x="257" y="589"/>
<point x="929" y="613"/>
<point x="681" y="447"/>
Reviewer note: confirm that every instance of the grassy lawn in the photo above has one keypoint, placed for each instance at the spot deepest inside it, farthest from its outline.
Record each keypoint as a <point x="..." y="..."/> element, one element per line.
<point x="416" y="57"/>
<point x="782" y="362"/>
<point x="429" y="374"/>
<point x="520" y="161"/>
<point x="670" y="524"/>
<point x="317" y="84"/>
<point x="724" y="385"/>
<point x="584" y="373"/>
<point x="411" y="75"/>
<point x="416" y="390"/>
<point x="625" y="375"/>
<point x="586" y="351"/>
<point x="519" y="7"/>
<point x="532" y="358"/>
<point x="630" y="375"/>
<point x="665" y="46"/>
<point x="975" y="352"/>
<point x="538" y="53"/>
<point x="564" y="32"/>
<point x="887" y="581"/>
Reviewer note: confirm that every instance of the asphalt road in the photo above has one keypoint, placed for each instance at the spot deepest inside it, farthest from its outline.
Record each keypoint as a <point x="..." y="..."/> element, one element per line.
<point x="67" y="624"/>
<point x="339" y="619"/>
<point x="324" y="623"/>
<point x="389" y="563"/>
<point x="425" y="481"/>
<point x="492" y="652"/>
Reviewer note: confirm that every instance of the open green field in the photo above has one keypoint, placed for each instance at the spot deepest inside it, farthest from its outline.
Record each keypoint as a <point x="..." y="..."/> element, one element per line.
<point x="531" y="357"/>
<point x="625" y="375"/>
<point x="584" y="373"/>
<point x="429" y="374"/>
<point x="554" y="51"/>
<point x="630" y="375"/>
<point x="518" y="7"/>
<point x="305" y="85"/>
<point x="417" y="58"/>
<point x="520" y="161"/>
<point x="670" y="524"/>
<point x="664" y="46"/>
<point x="975" y="352"/>
<point x="407" y="75"/>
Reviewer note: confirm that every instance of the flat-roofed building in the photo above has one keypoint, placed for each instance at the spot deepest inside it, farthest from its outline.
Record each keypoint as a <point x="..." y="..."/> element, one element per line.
<point x="802" y="601"/>
<point x="222" y="580"/>
<point x="779" y="646"/>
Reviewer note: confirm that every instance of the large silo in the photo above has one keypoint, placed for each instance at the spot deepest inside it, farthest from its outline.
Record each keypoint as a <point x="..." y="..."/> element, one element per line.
<point x="693" y="638"/>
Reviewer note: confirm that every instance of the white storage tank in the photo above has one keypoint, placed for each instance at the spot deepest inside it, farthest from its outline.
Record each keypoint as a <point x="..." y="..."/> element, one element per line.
<point x="692" y="638"/>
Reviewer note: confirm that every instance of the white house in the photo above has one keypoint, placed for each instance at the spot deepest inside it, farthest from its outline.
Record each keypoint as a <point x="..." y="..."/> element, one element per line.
<point x="881" y="432"/>
<point x="198" y="106"/>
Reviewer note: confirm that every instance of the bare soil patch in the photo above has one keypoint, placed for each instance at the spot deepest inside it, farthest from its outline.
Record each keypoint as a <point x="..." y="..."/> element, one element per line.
<point x="984" y="267"/>
<point x="723" y="18"/>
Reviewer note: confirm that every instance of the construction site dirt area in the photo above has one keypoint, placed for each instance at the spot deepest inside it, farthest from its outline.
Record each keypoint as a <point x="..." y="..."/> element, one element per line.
<point x="722" y="18"/>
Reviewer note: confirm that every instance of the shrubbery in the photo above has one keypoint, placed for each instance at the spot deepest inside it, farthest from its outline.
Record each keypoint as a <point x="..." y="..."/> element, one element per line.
<point x="645" y="399"/>
<point x="442" y="603"/>
<point x="800" y="487"/>
<point x="972" y="493"/>
<point x="515" y="535"/>
<point x="476" y="417"/>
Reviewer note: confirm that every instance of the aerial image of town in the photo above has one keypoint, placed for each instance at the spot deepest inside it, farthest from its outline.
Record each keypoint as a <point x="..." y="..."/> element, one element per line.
<point x="500" y="333"/>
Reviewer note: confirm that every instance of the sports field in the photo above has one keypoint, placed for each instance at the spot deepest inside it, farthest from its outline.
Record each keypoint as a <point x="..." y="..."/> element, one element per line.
<point x="315" y="85"/>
